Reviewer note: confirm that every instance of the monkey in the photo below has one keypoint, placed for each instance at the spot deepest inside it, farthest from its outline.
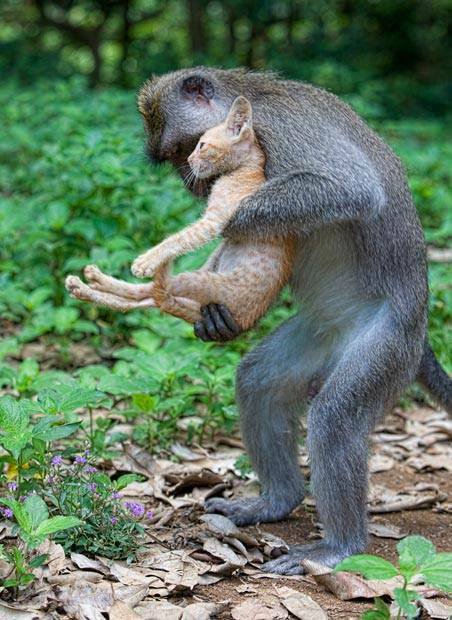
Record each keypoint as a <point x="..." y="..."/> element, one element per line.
<point x="359" y="274"/>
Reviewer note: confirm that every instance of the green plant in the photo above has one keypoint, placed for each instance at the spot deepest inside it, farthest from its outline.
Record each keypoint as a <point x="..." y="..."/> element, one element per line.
<point x="107" y="526"/>
<point x="33" y="526"/>
<point x="26" y="440"/>
<point x="418" y="562"/>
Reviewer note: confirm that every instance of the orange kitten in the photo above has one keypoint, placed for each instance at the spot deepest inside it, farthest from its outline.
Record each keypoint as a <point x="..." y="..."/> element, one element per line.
<point x="245" y="276"/>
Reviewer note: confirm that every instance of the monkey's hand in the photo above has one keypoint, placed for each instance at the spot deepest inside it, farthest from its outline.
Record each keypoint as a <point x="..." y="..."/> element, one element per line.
<point x="216" y="324"/>
<point x="146" y="264"/>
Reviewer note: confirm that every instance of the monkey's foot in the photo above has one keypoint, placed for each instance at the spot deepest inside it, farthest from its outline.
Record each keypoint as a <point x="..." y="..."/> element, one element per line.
<point x="290" y="562"/>
<point x="249" y="511"/>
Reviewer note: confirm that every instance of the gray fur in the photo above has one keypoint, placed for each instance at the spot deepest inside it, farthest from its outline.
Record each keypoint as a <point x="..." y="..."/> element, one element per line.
<point x="360" y="277"/>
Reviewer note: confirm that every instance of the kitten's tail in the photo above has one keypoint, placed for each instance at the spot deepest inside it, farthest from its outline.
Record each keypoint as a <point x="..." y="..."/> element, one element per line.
<point x="161" y="278"/>
<point x="434" y="378"/>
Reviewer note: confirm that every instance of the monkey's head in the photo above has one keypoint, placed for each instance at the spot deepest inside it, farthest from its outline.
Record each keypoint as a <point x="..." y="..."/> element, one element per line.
<point x="179" y="107"/>
<point x="226" y="146"/>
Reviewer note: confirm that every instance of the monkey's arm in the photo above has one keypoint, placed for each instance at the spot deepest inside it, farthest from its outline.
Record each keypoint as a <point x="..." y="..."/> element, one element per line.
<point x="301" y="201"/>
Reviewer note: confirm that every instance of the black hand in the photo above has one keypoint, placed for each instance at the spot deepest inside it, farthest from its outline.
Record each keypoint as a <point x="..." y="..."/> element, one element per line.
<point x="216" y="324"/>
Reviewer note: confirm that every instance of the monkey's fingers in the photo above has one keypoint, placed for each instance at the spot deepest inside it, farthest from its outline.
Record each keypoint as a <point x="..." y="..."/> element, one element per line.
<point x="216" y="324"/>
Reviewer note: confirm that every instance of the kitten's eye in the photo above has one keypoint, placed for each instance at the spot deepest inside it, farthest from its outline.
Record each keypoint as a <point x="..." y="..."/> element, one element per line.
<point x="202" y="145"/>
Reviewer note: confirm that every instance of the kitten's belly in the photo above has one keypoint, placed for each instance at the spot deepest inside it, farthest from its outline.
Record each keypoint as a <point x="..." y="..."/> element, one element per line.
<point x="241" y="255"/>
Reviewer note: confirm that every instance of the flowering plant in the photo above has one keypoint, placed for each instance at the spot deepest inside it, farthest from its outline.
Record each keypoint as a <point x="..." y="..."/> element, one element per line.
<point x="109" y="526"/>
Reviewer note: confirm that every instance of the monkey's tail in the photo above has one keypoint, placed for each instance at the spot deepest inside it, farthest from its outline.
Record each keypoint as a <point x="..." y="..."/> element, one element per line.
<point x="434" y="378"/>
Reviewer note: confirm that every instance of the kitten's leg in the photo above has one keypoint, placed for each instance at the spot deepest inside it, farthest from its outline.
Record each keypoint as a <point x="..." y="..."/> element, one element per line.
<point x="182" y="307"/>
<point x="241" y="290"/>
<point x="80" y="290"/>
<point x="191" y="238"/>
<point x="101" y="282"/>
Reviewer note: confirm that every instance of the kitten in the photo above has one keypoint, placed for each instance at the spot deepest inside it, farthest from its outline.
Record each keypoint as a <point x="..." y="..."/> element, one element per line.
<point x="245" y="276"/>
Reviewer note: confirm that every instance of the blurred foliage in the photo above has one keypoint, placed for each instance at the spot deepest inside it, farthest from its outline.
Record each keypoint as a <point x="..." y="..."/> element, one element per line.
<point x="393" y="53"/>
<point x="76" y="189"/>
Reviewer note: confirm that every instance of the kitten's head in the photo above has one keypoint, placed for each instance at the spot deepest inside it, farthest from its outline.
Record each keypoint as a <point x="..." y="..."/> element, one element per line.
<point x="227" y="146"/>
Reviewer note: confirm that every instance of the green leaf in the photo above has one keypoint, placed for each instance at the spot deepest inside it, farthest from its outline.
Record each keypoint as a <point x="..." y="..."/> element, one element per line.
<point x="37" y="510"/>
<point x="380" y="611"/>
<point x="437" y="571"/>
<point x="56" y="432"/>
<point x="414" y="551"/>
<point x="370" y="566"/>
<point x="38" y="560"/>
<point x="403" y="598"/>
<point x="126" y="479"/>
<point x="21" y="515"/>
<point x="57" y="524"/>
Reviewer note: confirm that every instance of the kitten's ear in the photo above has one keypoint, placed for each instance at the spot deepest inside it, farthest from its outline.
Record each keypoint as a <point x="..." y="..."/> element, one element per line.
<point x="240" y="116"/>
<point x="198" y="89"/>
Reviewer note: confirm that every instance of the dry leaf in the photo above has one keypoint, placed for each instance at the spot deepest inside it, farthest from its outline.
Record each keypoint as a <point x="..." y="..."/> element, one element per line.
<point x="385" y="530"/>
<point x="83" y="562"/>
<point x="379" y="462"/>
<point x="347" y="586"/>
<point x="160" y="611"/>
<point x="301" y="605"/>
<point x="86" y="599"/>
<point x="127" y="576"/>
<point x="224" y="552"/>
<point x="431" y="462"/>
<point x="253" y="609"/>
<point x="121" y="611"/>
<point x="9" y="613"/>
<point x="200" y="611"/>
<point x="436" y="609"/>
<point x="218" y="524"/>
<point x="74" y="577"/>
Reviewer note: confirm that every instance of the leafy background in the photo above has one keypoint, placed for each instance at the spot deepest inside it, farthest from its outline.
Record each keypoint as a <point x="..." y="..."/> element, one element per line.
<point x="81" y="387"/>
<point x="75" y="187"/>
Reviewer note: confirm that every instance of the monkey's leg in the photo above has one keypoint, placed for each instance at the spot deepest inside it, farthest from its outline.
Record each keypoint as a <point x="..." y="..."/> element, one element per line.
<point x="82" y="291"/>
<point x="101" y="282"/>
<point x="272" y="384"/>
<point x="369" y="371"/>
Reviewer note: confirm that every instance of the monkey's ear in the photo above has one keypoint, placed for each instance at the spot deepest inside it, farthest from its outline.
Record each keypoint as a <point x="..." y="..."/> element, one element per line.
<point x="240" y="116"/>
<point x="198" y="89"/>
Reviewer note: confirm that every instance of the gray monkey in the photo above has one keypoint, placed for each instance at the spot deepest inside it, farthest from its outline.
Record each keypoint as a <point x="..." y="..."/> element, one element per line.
<point x="360" y="335"/>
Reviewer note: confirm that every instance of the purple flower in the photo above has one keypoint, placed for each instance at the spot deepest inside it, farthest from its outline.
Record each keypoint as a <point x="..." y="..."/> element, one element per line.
<point x="89" y="469"/>
<point x="7" y="512"/>
<point x="136" y="509"/>
<point x="56" y="460"/>
<point x="87" y="452"/>
<point x="51" y="480"/>
<point x="91" y="486"/>
<point x="22" y="498"/>
<point x="116" y="495"/>
<point x="149" y="514"/>
<point x="80" y="460"/>
<point x="12" y="486"/>
<point x="113" y="520"/>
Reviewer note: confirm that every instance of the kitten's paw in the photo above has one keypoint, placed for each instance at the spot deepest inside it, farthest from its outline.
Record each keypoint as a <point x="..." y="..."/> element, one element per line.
<point x="94" y="275"/>
<point x="145" y="265"/>
<point x="320" y="552"/>
<point x="76" y="288"/>
<point x="250" y="510"/>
